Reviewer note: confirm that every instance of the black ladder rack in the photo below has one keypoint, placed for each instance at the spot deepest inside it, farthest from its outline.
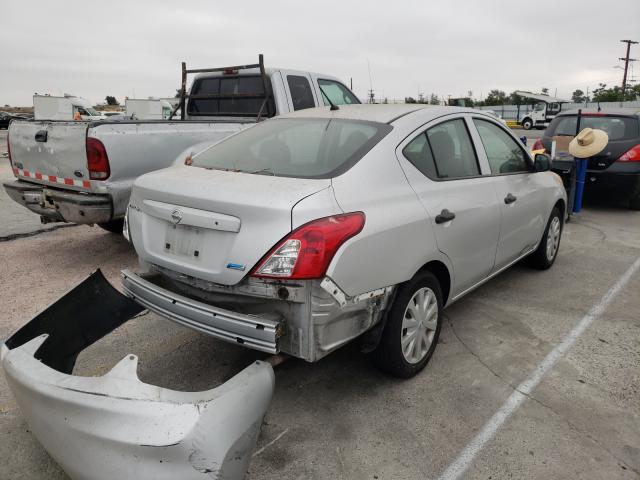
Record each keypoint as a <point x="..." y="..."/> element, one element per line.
<point x="265" y="94"/>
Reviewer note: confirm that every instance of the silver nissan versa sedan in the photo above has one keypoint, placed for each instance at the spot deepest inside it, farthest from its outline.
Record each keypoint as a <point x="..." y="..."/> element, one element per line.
<point x="307" y="231"/>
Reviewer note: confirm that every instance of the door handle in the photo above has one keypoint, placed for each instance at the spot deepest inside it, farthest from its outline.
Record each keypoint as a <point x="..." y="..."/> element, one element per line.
<point x="510" y="198"/>
<point x="445" y="216"/>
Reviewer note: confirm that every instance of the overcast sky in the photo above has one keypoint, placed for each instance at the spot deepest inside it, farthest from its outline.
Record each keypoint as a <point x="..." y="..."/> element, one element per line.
<point x="127" y="48"/>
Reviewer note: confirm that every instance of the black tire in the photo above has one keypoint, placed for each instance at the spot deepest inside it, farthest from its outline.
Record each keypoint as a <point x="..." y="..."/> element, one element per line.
<point x="114" y="226"/>
<point x="527" y="124"/>
<point x="634" y="199"/>
<point x="540" y="259"/>
<point x="388" y="355"/>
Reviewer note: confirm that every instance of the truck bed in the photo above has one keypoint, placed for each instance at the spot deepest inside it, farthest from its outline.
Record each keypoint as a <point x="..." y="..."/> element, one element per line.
<point x="52" y="154"/>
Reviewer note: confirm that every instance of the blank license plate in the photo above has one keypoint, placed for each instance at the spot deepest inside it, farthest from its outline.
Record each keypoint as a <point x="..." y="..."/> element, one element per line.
<point x="184" y="240"/>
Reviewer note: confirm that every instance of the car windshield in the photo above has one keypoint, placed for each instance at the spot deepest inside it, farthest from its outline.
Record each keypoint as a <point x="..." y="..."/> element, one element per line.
<point x="300" y="147"/>
<point x="617" y="128"/>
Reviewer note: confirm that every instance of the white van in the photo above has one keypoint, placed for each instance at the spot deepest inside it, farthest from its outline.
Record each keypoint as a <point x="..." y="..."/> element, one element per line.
<point x="148" y="109"/>
<point x="47" y="107"/>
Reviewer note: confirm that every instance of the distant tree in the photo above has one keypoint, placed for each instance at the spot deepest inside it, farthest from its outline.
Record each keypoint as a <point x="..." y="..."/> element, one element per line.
<point x="111" y="100"/>
<point x="495" y="97"/>
<point x="409" y="100"/>
<point x="578" y="96"/>
<point x="515" y="99"/>
<point x="433" y="99"/>
<point x="614" y="94"/>
<point x="544" y="90"/>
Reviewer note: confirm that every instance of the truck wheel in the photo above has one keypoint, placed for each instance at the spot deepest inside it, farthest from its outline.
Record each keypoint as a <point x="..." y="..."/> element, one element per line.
<point x="413" y="326"/>
<point x="114" y="226"/>
<point x="547" y="251"/>
<point x="527" y="123"/>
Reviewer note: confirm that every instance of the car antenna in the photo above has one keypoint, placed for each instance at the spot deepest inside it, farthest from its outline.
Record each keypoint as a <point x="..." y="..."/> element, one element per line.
<point x="333" y="107"/>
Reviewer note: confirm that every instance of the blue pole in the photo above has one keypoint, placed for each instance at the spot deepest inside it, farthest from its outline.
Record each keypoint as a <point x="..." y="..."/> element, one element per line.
<point x="581" y="174"/>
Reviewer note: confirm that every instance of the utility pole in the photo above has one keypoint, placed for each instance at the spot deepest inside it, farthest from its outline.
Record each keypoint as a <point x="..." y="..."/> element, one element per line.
<point x="586" y="98"/>
<point x="626" y="64"/>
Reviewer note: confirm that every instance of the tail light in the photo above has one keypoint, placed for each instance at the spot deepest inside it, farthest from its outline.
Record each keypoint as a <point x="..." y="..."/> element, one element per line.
<point x="632" y="155"/>
<point x="97" y="160"/>
<point x="307" y="251"/>
<point x="537" y="145"/>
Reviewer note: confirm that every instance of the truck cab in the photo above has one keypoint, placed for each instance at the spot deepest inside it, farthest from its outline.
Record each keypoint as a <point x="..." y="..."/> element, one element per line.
<point x="250" y="93"/>
<point x="545" y="109"/>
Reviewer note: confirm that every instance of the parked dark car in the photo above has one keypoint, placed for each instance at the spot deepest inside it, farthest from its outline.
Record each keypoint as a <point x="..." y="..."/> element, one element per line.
<point x="617" y="168"/>
<point x="6" y="117"/>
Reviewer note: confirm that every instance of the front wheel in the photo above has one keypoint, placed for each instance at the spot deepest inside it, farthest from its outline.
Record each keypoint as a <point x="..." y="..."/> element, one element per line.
<point x="527" y="124"/>
<point x="546" y="253"/>
<point x="114" y="226"/>
<point x="413" y="326"/>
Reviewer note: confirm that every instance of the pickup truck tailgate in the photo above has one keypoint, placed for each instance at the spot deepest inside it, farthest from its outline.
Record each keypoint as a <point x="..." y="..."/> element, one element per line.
<point x="50" y="153"/>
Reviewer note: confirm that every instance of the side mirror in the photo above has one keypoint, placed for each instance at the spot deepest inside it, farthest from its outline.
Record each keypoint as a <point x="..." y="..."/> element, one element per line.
<point x="541" y="163"/>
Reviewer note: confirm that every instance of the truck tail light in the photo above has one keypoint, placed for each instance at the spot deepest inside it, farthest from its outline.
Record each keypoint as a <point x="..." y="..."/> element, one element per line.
<point x="307" y="251"/>
<point x="9" y="150"/>
<point x="97" y="160"/>
<point x="631" y="155"/>
<point x="537" y="145"/>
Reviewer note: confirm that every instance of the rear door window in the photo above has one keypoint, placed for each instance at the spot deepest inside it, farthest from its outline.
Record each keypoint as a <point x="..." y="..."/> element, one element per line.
<point x="301" y="94"/>
<point x="504" y="153"/>
<point x="617" y="128"/>
<point x="452" y="150"/>
<point x="418" y="152"/>
<point x="337" y="93"/>
<point x="444" y="152"/>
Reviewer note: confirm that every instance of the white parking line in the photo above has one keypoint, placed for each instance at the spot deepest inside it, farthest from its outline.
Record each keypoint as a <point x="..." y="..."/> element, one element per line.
<point x="280" y="435"/>
<point x="464" y="459"/>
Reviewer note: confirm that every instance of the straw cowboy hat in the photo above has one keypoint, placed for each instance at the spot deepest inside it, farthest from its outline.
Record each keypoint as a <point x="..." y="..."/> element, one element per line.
<point x="588" y="142"/>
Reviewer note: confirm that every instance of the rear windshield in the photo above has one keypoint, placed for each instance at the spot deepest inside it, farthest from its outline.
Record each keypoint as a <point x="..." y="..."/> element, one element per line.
<point x="301" y="148"/>
<point x="618" y="128"/>
<point x="242" y="86"/>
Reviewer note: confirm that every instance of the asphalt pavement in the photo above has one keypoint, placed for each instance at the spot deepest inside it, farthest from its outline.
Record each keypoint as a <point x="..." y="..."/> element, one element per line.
<point x="341" y="418"/>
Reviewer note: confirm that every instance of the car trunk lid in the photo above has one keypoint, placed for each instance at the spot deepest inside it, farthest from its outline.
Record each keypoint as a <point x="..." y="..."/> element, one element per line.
<point x="212" y="224"/>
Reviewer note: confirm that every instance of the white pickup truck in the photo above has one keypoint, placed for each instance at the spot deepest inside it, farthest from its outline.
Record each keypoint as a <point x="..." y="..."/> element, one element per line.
<point x="82" y="172"/>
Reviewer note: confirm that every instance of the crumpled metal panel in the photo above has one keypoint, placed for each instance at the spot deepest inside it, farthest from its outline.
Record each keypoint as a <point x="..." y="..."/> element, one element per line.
<point x="115" y="426"/>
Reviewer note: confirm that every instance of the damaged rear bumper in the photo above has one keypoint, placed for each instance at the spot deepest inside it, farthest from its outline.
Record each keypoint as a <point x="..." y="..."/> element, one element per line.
<point x="115" y="426"/>
<point x="57" y="205"/>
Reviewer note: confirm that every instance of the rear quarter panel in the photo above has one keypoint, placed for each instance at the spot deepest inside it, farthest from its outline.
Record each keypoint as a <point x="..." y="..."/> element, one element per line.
<point x="397" y="239"/>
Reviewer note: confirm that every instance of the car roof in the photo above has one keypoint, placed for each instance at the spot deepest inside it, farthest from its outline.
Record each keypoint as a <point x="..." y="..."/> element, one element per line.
<point x="607" y="111"/>
<point x="381" y="113"/>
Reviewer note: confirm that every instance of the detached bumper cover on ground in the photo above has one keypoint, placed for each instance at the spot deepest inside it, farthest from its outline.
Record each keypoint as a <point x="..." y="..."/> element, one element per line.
<point x="115" y="426"/>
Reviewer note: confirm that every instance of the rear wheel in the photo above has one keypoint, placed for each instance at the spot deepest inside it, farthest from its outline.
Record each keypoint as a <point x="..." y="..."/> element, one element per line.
<point x="527" y="123"/>
<point x="546" y="253"/>
<point x="114" y="226"/>
<point x="413" y="326"/>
